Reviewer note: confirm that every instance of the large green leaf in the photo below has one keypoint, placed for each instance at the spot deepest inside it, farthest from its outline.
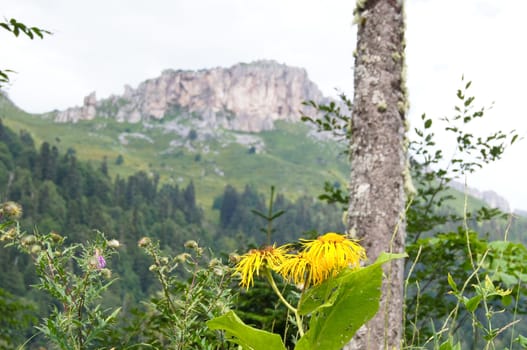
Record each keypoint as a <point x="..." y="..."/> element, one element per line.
<point x="340" y="306"/>
<point x="244" y="335"/>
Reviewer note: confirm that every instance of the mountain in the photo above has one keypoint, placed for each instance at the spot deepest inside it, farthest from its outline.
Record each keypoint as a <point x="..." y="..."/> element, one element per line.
<point x="237" y="125"/>
<point x="244" y="97"/>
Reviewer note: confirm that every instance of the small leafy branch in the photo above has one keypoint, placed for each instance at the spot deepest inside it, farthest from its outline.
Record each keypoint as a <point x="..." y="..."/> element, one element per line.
<point x="333" y="118"/>
<point x="17" y="28"/>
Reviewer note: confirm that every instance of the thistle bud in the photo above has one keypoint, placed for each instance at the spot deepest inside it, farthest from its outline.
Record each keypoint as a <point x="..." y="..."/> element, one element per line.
<point x="55" y="237"/>
<point x="234" y="258"/>
<point x="28" y="240"/>
<point x="214" y="262"/>
<point x="107" y="273"/>
<point x="35" y="249"/>
<point x="113" y="243"/>
<point x="92" y="261"/>
<point x="12" y="210"/>
<point x="9" y="234"/>
<point x="181" y="258"/>
<point x="218" y="270"/>
<point x="143" y="242"/>
<point x="191" y="244"/>
<point x="153" y="268"/>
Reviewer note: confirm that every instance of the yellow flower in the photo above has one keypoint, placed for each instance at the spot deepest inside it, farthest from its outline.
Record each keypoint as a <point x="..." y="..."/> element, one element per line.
<point x="251" y="262"/>
<point x="331" y="253"/>
<point x="296" y="268"/>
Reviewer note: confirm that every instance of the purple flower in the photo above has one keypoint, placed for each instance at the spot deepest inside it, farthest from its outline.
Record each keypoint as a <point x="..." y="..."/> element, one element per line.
<point x="101" y="263"/>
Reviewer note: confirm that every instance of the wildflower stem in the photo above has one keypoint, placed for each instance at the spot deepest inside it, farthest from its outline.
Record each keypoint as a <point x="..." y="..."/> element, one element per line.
<point x="285" y="302"/>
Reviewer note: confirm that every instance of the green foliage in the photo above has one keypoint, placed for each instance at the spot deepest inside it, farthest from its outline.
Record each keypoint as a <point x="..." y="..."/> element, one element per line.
<point x="329" y="327"/>
<point x="246" y="336"/>
<point x="357" y="290"/>
<point x="291" y="219"/>
<point x="74" y="276"/>
<point x="195" y="287"/>
<point x="17" y="315"/>
<point x="335" y="118"/>
<point x="62" y="194"/>
<point x="269" y="217"/>
<point x="262" y="309"/>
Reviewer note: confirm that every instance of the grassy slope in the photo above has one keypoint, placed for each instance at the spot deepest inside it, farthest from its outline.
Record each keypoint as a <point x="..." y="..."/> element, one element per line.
<point x="292" y="162"/>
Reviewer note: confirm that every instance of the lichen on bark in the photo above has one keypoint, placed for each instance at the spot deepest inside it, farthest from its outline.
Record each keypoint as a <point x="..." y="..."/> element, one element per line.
<point x="378" y="158"/>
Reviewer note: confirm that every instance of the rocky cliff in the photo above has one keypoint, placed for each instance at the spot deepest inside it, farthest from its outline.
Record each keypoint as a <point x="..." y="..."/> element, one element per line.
<point x="244" y="97"/>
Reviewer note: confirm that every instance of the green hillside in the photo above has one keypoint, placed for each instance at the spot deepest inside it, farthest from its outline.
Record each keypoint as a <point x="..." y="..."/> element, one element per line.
<point x="290" y="160"/>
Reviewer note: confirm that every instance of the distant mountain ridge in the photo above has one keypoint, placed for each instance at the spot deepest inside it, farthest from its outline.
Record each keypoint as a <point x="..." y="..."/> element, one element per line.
<point x="493" y="199"/>
<point x="244" y="97"/>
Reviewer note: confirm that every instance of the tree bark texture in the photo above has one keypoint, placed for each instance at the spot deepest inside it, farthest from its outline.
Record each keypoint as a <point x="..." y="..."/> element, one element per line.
<point x="378" y="160"/>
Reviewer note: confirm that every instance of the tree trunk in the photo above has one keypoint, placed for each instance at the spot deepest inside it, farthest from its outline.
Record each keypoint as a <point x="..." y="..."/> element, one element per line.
<point x="378" y="159"/>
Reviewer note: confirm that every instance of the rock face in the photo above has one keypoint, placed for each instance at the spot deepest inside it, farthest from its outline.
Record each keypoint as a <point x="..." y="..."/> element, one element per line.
<point x="244" y="97"/>
<point x="88" y="111"/>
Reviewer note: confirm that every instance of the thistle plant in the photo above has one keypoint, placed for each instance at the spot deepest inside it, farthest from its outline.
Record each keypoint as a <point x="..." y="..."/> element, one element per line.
<point x="195" y="287"/>
<point x="74" y="275"/>
<point x="328" y="273"/>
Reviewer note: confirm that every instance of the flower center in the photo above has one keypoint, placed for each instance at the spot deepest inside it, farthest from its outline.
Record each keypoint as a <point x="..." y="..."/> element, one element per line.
<point x="332" y="238"/>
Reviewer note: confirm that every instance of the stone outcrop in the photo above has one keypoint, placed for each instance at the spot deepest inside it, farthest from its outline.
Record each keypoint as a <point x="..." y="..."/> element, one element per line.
<point x="88" y="111"/>
<point x="244" y="97"/>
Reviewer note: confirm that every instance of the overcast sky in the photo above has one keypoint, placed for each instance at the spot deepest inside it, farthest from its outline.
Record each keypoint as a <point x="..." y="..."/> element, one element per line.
<point x="101" y="45"/>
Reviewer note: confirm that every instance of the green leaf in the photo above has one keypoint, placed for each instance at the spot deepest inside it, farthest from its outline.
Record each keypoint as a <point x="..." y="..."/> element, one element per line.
<point x="319" y="296"/>
<point x="506" y="300"/>
<point x="447" y="345"/>
<point x="341" y="305"/>
<point x="428" y="123"/>
<point x="278" y="214"/>
<point x="468" y="101"/>
<point x="37" y="31"/>
<point x="244" y="335"/>
<point x="521" y="340"/>
<point x="256" y="212"/>
<point x="452" y="283"/>
<point x="472" y="303"/>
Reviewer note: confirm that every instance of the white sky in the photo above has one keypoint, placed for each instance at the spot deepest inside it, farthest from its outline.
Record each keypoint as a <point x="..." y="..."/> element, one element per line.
<point x="101" y="45"/>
